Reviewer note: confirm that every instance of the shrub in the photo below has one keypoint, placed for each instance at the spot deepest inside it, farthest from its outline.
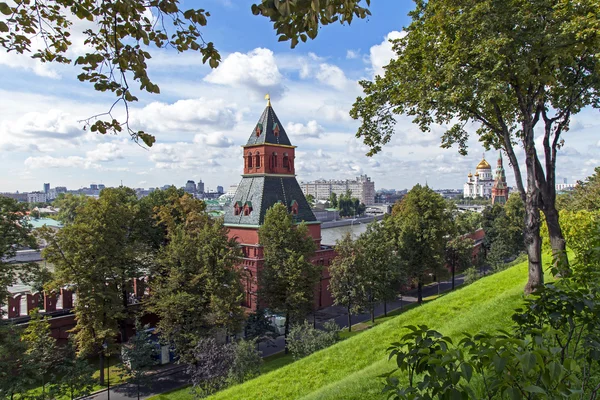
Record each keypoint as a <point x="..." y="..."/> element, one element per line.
<point x="246" y="361"/>
<point x="304" y="339"/>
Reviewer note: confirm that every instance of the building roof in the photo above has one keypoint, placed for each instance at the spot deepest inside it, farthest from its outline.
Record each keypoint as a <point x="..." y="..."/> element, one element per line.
<point x="39" y="222"/>
<point x="261" y="192"/>
<point x="268" y="130"/>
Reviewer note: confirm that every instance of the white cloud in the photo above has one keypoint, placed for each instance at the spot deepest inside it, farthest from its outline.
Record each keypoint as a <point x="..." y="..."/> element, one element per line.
<point x="255" y="70"/>
<point x="105" y="152"/>
<point x="214" y="139"/>
<point x="186" y="115"/>
<point x="352" y="54"/>
<point x="53" y="124"/>
<point x="332" y="75"/>
<point x="311" y="129"/>
<point x="56" y="162"/>
<point x="381" y="54"/>
<point x="184" y="156"/>
<point x="334" y="113"/>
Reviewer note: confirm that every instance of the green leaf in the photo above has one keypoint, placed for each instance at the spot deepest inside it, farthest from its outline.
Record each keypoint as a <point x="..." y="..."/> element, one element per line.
<point x="5" y="9"/>
<point x="467" y="371"/>
<point x="3" y="27"/>
<point x="534" y="389"/>
<point x="147" y="138"/>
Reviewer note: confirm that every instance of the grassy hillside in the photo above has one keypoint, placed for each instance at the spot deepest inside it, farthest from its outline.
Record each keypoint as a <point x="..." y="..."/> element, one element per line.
<point x="349" y="369"/>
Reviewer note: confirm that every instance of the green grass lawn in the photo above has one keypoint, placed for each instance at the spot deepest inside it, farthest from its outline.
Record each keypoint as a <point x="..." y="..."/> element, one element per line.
<point x="350" y="369"/>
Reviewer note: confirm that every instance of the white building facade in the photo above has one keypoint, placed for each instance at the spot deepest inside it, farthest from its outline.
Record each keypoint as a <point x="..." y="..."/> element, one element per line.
<point x="480" y="184"/>
<point x="362" y="188"/>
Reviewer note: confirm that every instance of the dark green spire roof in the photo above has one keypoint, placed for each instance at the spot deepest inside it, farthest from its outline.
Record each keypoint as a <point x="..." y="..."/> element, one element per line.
<point x="268" y="130"/>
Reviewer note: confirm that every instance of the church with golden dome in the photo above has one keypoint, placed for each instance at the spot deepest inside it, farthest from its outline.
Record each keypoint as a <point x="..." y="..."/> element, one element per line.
<point x="480" y="184"/>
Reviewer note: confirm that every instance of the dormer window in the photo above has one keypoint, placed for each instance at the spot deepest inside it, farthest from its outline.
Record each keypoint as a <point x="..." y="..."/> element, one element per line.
<point x="286" y="161"/>
<point x="247" y="208"/>
<point x="259" y="128"/>
<point x="276" y="129"/>
<point x="249" y="160"/>
<point x="257" y="160"/>
<point x="237" y="208"/>
<point x="294" y="207"/>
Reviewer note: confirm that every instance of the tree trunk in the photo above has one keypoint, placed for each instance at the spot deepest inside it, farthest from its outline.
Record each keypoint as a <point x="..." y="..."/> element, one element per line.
<point x="287" y="330"/>
<point x="453" y="273"/>
<point x="372" y="313"/>
<point x="102" y="368"/>
<point x="557" y="241"/>
<point x="419" y="291"/>
<point x="385" y="308"/>
<point x="533" y="242"/>
<point x="349" y="319"/>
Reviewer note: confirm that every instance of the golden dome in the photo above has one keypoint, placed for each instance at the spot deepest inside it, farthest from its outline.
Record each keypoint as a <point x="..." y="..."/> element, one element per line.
<point x="470" y="175"/>
<point x="483" y="165"/>
<point x="476" y="173"/>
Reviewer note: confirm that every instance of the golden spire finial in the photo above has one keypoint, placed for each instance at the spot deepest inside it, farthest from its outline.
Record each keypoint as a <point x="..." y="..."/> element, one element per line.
<point x="268" y="99"/>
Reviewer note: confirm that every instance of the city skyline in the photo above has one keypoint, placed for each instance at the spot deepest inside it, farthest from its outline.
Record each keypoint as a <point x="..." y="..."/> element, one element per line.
<point x="202" y="116"/>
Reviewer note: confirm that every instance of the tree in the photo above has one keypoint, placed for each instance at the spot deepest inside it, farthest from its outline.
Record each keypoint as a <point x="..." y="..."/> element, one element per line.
<point x="69" y="206"/>
<point x="585" y="196"/>
<point x="507" y="66"/>
<point x="459" y="255"/>
<point x="381" y="266"/>
<point x="210" y="365"/>
<point x="311" y="199"/>
<point x="41" y="347"/>
<point x="139" y="355"/>
<point x="259" y="328"/>
<point x="467" y="222"/>
<point x="15" y="233"/>
<point x="196" y="290"/>
<point x="120" y="37"/>
<point x="16" y="374"/>
<point x="420" y="223"/>
<point x="99" y="256"/>
<point x="346" y="273"/>
<point x="288" y="279"/>
<point x="333" y="200"/>
<point x="75" y="373"/>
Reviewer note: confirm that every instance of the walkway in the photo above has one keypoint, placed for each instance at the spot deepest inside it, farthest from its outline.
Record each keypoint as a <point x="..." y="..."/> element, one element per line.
<point x="175" y="377"/>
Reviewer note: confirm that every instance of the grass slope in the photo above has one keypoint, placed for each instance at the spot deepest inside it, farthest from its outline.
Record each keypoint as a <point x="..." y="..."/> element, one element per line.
<point x="349" y="369"/>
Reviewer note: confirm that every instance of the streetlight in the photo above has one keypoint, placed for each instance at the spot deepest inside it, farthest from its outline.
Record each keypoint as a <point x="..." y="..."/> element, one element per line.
<point x="105" y="347"/>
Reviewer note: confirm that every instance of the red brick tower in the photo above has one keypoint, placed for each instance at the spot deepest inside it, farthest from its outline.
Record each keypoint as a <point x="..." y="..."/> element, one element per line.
<point x="269" y="177"/>
<point x="500" y="189"/>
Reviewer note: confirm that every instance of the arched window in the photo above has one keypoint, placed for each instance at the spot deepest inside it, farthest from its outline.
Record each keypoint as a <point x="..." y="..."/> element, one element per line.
<point x="257" y="163"/>
<point x="286" y="161"/>
<point x="274" y="160"/>
<point x="249" y="160"/>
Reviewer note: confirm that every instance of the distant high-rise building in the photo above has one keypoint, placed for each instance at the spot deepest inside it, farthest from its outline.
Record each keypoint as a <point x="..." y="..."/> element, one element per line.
<point x="101" y="186"/>
<point x="220" y="190"/>
<point x="93" y="186"/>
<point x="61" y="189"/>
<point x="46" y="187"/>
<point x="36" y="197"/>
<point x="190" y="186"/>
<point x="200" y="186"/>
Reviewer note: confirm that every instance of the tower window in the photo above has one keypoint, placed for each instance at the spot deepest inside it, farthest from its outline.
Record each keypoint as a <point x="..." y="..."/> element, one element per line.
<point x="274" y="160"/>
<point x="257" y="163"/>
<point x="249" y="160"/>
<point x="286" y="161"/>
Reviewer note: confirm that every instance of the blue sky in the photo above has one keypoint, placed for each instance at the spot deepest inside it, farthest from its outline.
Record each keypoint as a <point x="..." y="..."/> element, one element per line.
<point x="203" y="116"/>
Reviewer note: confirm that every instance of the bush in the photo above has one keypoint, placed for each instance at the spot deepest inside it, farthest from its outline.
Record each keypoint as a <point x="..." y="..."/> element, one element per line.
<point x="304" y="339"/>
<point x="471" y="275"/>
<point x="246" y="361"/>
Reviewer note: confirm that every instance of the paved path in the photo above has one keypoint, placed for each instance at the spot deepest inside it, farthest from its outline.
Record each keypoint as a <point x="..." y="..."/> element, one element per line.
<point x="175" y="378"/>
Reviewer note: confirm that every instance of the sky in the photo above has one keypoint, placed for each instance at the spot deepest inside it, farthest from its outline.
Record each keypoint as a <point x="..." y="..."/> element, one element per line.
<point x="202" y="117"/>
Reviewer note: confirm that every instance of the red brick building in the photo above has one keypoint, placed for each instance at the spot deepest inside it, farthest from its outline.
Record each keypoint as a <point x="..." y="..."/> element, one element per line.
<point x="269" y="178"/>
